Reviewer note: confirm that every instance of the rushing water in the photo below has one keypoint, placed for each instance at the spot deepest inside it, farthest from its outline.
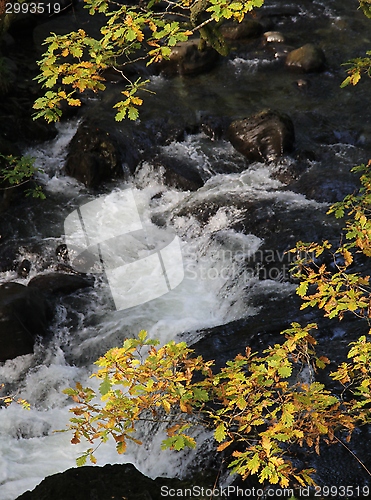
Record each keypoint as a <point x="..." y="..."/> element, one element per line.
<point x="215" y="289"/>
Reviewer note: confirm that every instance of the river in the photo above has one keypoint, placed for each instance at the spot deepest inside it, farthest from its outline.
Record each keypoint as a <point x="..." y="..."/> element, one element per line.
<point x="332" y="124"/>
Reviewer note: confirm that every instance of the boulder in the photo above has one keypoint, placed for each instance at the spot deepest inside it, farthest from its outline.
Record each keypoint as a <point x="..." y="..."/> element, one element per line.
<point x="248" y="28"/>
<point x="55" y="283"/>
<point x="179" y="173"/>
<point x="306" y="59"/>
<point x="24" y="315"/>
<point x="95" y="156"/>
<point x="265" y="136"/>
<point x="187" y="59"/>
<point x="112" y="482"/>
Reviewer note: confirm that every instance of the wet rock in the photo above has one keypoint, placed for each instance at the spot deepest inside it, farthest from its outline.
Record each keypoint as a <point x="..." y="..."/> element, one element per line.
<point x="265" y="136"/>
<point x="302" y="84"/>
<point x="23" y="268"/>
<point x="24" y="315"/>
<point x="62" y="252"/>
<point x="95" y="156"/>
<point x="111" y="482"/>
<point x="160" y="131"/>
<point x="179" y="174"/>
<point x="307" y="59"/>
<point x="214" y="127"/>
<point x="222" y="343"/>
<point x="187" y="59"/>
<point x="248" y="28"/>
<point x="287" y="173"/>
<point x="274" y="37"/>
<point x="55" y="283"/>
<point x="329" y="188"/>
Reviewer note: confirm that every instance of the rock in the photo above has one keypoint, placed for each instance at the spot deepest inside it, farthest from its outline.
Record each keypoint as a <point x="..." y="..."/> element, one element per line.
<point x="95" y="156"/>
<point x="302" y="83"/>
<point x="112" y="482"/>
<point x="222" y="343"/>
<point x="24" y="315"/>
<point x="187" y="59"/>
<point x="214" y="127"/>
<point x="160" y="131"/>
<point x="54" y="283"/>
<point x="265" y="136"/>
<point x="274" y="37"/>
<point x="306" y="59"/>
<point x="23" y="268"/>
<point x="248" y="28"/>
<point x="179" y="172"/>
<point x="329" y="188"/>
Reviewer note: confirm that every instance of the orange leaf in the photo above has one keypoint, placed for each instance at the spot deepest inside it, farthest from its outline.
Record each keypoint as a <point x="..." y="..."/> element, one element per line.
<point x="224" y="445"/>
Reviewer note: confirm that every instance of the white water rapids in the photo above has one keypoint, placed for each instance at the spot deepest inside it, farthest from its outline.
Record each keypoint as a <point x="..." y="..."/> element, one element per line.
<point x="214" y="291"/>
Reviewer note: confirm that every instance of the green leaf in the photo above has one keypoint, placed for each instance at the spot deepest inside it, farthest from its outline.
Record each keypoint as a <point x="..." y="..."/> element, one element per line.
<point x="254" y="464"/>
<point x="133" y="113"/>
<point x="105" y="386"/>
<point x="80" y="461"/>
<point x="285" y="371"/>
<point x="302" y="288"/>
<point x="220" y="433"/>
<point x="200" y="394"/>
<point x="179" y="443"/>
<point x="142" y="335"/>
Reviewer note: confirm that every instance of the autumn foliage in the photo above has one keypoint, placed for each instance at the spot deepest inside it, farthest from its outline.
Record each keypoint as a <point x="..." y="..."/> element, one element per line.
<point x="260" y="405"/>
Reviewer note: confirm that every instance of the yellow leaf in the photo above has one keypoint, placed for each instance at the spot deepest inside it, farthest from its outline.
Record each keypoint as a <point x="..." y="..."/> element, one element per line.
<point x="74" y="102"/>
<point x="137" y="101"/>
<point x="348" y="257"/>
<point x="166" y="405"/>
<point x="266" y="445"/>
<point x="220" y="433"/>
<point x="184" y="407"/>
<point x="121" y="447"/>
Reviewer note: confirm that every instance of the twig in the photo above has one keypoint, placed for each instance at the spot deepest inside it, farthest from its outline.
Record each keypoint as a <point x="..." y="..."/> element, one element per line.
<point x="354" y="455"/>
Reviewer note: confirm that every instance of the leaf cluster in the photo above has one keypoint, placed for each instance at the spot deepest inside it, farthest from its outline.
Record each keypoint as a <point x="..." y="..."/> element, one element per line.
<point x="259" y="406"/>
<point x="326" y="280"/>
<point x="7" y="400"/>
<point x="15" y="171"/>
<point x="75" y="62"/>
<point x="256" y="405"/>
<point x="360" y="65"/>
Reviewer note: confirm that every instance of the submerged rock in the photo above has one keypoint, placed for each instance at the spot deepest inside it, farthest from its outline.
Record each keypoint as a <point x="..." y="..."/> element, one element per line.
<point x="180" y="173"/>
<point x="306" y="59"/>
<point x="54" y="283"/>
<point x="265" y="136"/>
<point x="187" y="59"/>
<point x="274" y="37"/>
<point x="24" y="315"/>
<point x="248" y="28"/>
